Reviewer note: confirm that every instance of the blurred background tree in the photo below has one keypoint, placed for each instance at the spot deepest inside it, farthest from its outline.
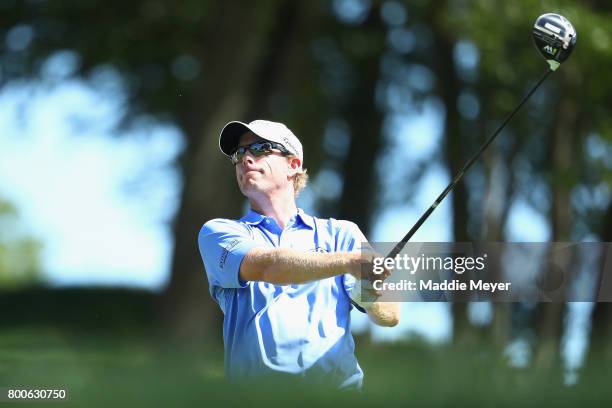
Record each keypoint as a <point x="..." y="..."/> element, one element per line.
<point x="19" y="253"/>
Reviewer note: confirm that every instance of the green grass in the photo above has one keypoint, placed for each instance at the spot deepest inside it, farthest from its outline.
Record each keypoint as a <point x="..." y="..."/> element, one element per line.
<point x="141" y="370"/>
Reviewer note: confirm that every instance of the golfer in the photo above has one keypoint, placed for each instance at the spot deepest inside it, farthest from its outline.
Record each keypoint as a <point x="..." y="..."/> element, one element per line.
<point x="283" y="278"/>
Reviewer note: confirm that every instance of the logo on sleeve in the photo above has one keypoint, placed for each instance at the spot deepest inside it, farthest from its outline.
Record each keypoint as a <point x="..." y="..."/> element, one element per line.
<point x="231" y="245"/>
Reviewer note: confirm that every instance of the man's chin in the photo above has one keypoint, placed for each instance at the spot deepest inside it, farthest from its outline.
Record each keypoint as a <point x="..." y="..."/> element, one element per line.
<point x="251" y="178"/>
<point x="250" y="186"/>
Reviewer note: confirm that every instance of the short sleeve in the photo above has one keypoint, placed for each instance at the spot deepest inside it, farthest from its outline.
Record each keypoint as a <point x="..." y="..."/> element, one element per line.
<point x="351" y="239"/>
<point x="223" y="245"/>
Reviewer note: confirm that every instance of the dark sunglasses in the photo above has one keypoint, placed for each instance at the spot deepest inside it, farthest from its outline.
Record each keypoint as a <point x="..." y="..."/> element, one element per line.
<point x="257" y="149"/>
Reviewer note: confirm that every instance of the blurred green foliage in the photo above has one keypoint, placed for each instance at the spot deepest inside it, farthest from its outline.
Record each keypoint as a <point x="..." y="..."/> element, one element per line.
<point x="100" y="371"/>
<point x="103" y="348"/>
<point x="19" y="253"/>
<point x="501" y="31"/>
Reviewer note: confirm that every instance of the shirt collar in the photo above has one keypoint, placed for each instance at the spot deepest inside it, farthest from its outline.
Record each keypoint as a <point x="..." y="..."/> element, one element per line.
<point x="305" y="218"/>
<point x="253" y="218"/>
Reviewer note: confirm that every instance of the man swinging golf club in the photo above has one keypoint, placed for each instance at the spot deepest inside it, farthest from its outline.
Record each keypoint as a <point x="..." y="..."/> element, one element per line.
<point x="283" y="278"/>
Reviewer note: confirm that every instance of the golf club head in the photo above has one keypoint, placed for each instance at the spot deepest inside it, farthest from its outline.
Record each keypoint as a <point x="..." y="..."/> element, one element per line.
<point x="554" y="37"/>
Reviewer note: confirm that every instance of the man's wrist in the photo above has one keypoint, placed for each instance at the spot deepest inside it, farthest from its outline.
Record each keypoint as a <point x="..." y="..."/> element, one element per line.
<point x="354" y="262"/>
<point x="360" y="264"/>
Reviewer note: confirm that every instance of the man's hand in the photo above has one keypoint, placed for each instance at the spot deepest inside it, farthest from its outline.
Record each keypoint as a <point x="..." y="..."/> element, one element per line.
<point x="385" y="313"/>
<point x="380" y="312"/>
<point x="362" y="266"/>
<point x="363" y="271"/>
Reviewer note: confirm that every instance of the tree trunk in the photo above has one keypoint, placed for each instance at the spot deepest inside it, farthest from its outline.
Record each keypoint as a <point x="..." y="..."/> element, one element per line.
<point x="364" y="118"/>
<point x="497" y="202"/>
<point x="496" y="210"/>
<point x="241" y="39"/>
<point x="449" y="86"/>
<point x="549" y="316"/>
<point x="600" y="350"/>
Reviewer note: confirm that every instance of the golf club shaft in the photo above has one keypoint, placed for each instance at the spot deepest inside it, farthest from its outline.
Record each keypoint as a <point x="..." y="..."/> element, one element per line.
<point x="400" y="245"/>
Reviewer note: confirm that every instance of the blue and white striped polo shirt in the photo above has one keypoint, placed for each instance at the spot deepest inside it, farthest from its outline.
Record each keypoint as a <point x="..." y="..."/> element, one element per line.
<point x="301" y="330"/>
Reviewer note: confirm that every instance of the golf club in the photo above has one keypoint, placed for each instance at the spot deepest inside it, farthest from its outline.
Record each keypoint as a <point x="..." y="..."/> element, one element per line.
<point x="554" y="37"/>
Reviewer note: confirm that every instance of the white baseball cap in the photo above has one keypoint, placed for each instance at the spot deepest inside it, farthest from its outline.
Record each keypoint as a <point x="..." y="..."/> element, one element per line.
<point x="272" y="131"/>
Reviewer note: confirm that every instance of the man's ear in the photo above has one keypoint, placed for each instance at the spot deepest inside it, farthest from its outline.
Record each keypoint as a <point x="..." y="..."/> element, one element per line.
<point x="294" y="164"/>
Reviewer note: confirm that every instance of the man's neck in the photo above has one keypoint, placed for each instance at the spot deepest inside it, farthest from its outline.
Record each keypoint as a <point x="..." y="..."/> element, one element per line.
<point x="279" y="206"/>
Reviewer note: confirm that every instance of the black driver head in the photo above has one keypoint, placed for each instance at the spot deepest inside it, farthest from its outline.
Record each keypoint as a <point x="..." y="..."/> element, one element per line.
<point x="554" y="37"/>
